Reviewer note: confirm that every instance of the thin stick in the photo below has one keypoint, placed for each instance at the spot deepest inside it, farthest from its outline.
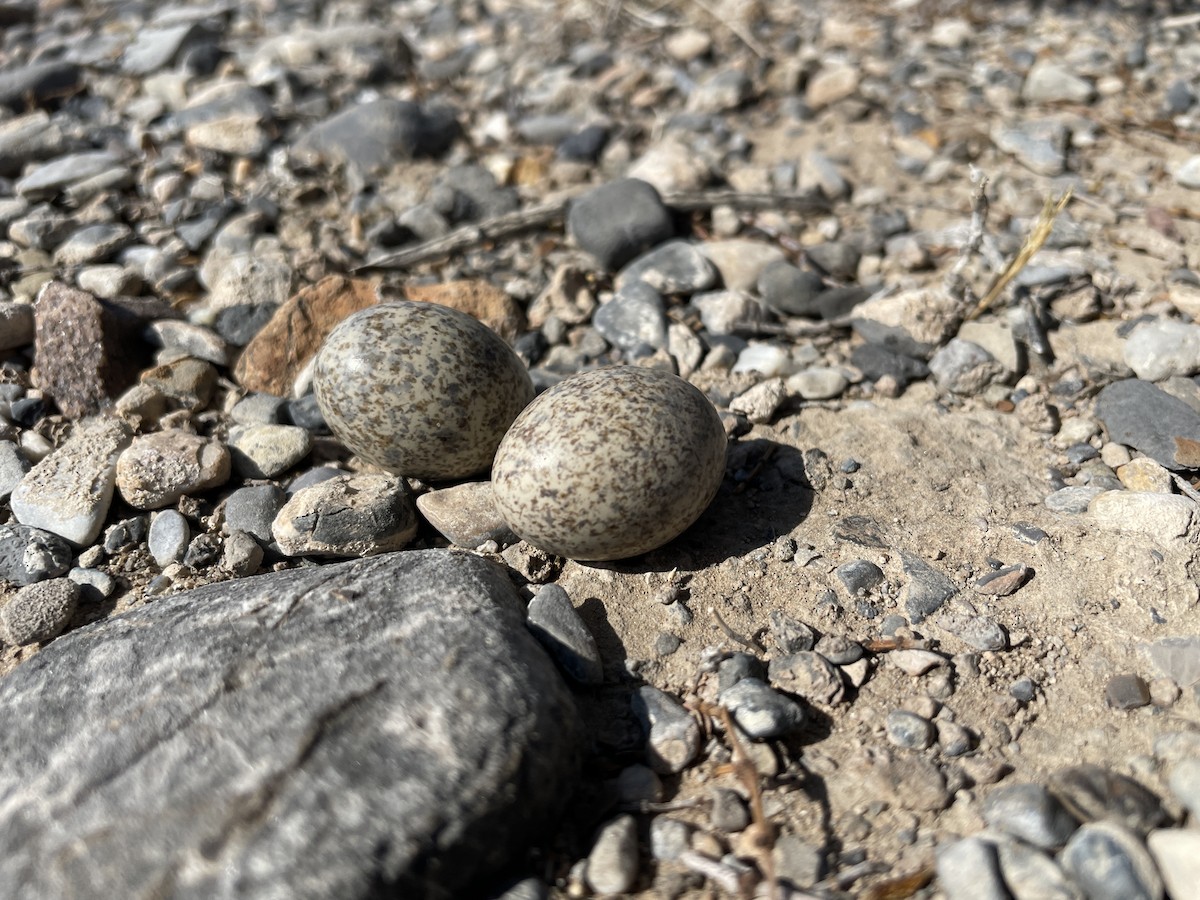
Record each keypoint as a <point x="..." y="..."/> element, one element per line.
<point x="1033" y="243"/>
<point x="956" y="283"/>
<point x="546" y="214"/>
<point x="748" y="643"/>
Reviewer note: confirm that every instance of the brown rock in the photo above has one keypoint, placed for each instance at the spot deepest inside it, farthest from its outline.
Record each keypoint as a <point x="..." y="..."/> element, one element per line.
<point x="284" y="346"/>
<point x="86" y="350"/>
<point x="484" y="301"/>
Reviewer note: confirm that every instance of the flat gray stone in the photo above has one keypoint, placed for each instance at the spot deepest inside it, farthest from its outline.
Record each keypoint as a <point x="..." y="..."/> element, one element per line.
<point x="1110" y="863"/>
<point x="615" y="222"/>
<point x="349" y="515"/>
<point x="383" y="727"/>
<point x="377" y="135"/>
<point x="466" y="515"/>
<point x="968" y="870"/>
<point x="1139" y="414"/>
<point x="555" y="622"/>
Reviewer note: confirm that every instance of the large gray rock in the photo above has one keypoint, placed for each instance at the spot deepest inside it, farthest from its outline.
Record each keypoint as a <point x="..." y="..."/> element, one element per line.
<point x="383" y="727"/>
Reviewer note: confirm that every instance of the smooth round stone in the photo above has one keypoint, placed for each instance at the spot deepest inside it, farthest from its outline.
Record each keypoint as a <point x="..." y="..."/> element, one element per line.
<point x="908" y="730"/>
<point x="420" y="389"/>
<point x="610" y="464"/>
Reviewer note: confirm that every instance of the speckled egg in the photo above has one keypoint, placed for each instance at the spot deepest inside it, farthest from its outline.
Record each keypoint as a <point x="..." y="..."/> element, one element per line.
<point x="420" y="389"/>
<point x="610" y="464"/>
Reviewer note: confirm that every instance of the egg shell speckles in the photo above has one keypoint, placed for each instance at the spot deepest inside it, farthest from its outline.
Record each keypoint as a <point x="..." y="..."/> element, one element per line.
<point x="419" y="389"/>
<point x="610" y="464"/>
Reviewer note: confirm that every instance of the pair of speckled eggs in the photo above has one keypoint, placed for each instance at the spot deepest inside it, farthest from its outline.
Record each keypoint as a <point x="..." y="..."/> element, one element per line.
<point x="605" y="465"/>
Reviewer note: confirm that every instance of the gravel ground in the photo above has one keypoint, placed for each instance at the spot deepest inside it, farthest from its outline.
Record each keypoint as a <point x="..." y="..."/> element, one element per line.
<point x="934" y="264"/>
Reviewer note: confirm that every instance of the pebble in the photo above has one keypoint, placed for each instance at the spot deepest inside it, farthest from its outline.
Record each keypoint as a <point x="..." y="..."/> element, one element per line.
<point x="634" y="320"/>
<point x="93" y="243"/>
<point x="13" y="467"/>
<point x="1176" y="852"/>
<point x="673" y="267"/>
<point x="1049" y="82"/>
<point x="638" y="784"/>
<point x="760" y="403"/>
<point x="859" y="576"/>
<point x="1163" y="517"/>
<point x="371" y="136"/>
<point x="809" y="675"/>
<point x="1029" y="813"/>
<point x="728" y="312"/>
<point x="741" y="263"/>
<point x="1004" y="582"/>
<point x="916" y="662"/>
<point x="1072" y="499"/>
<point x="1041" y="146"/>
<point x="155" y="470"/>
<point x="1110" y="863"/>
<point x="203" y="551"/>
<point x="1188" y="173"/>
<point x="669" y="838"/>
<point x="963" y="367"/>
<point x="1093" y="793"/>
<point x="818" y="383"/>
<point x="39" y="612"/>
<point x="241" y="554"/>
<point x="765" y="359"/>
<point x="789" y="290"/>
<point x="1141" y="415"/>
<point x="1144" y="474"/>
<point x="978" y="632"/>
<point x="1163" y="348"/>
<point x="954" y="739"/>
<point x="831" y="84"/>
<point x="69" y="492"/>
<point x="617" y="221"/>
<point x="253" y="510"/>
<point x="926" y="589"/>
<point x="188" y="382"/>
<point x="968" y="869"/>
<point x="837" y="259"/>
<point x="266" y="451"/>
<point x="420" y="389"/>
<point x="29" y="555"/>
<point x="1126" y="692"/>
<point x="570" y="474"/>
<point x="16" y="325"/>
<point x="839" y="650"/>
<point x="94" y="585"/>
<point x="347" y="516"/>
<point x="466" y="515"/>
<point x="612" y="864"/>
<point x="761" y="712"/>
<point x="729" y="813"/>
<point x="169" y="537"/>
<point x="672" y="734"/>
<point x="1184" y="782"/>
<point x="556" y="623"/>
<point x="45" y="180"/>
<point x="1033" y="875"/>
<point x="908" y="730"/>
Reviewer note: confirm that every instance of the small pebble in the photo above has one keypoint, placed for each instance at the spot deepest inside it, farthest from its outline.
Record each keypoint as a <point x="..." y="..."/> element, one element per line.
<point x="169" y="537"/>
<point x="762" y="712"/>
<point x="672" y="735"/>
<point x="1110" y="863"/>
<point x="908" y="730"/>
<point x="612" y="864"/>
<point x="39" y="612"/>
<point x="556" y="623"/>
<point x="1126" y="691"/>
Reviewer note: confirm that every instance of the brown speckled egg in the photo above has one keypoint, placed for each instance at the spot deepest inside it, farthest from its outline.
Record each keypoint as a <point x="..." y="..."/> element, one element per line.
<point x="420" y="389"/>
<point x="610" y="464"/>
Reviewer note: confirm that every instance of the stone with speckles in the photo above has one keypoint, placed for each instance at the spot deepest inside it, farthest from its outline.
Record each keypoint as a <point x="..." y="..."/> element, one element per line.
<point x="610" y="464"/>
<point x="419" y="389"/>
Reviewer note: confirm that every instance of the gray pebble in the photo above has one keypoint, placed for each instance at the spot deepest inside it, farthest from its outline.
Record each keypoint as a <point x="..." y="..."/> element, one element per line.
<point x="311" y="477"/>
<point x="555" y="622"/>
<point x="1184" y="782"/>
<point x="252" y="510"/>
<point x="347" y="516"/>
<point x="789" y="634"/>
<point x="963" y="367"/>
<point x="979" y="632"/>
<point x="1072" y="499"/>
<point x="729" y="813"/>
<point x="1033" y="875"/>
<point x="839" y="649"/>
<point x="668" y="838"/>
<point x="466" y="515"/>
<point x="1127" y="691"/>
<point x="29" y="554"/>
<point x="1162" y="349"/>
<point x="92" y="243"/>
<point x="93" y="584"/>
<point x="837" y="259"/>
<point x="1029" y="812"/>
<point x="908" y="730"/>
<point x="666" y="643"/>
<point x="39" y="612"/>
<point x="634" y="319"/>
<point x="527" y="889"/>
<point x="926" y="590"/>
<point x="612" y="865"/>
<point x="674" y="267"/>
<point x="1039" y="145"/>
<point x="638" y="784"/>
<point x="375" y="135"/>
<point x="1092" y="793"/>
<point x="969" y="870"/>
<point x="13" y="466"/>
<point x="859" y="576"/>
<point x="737" y="666"/>
<point x="953" y="739"/>
<point x="789" y="290"/>
<point x="617" y="221"/>
<point x="202" y="552"/>
<point x="672" y="735"/>
<point x="1141" y="415"/>
<point x="797" y="861"/>
<point x="1110" y="863"/>
<point x="265" y="451"/>
<point x="241" y="554"/>
<point x="760" y="711"/>
<point x="169" y="537"/>
<point x="257" y="409"/>
<point x="808" y="675"/>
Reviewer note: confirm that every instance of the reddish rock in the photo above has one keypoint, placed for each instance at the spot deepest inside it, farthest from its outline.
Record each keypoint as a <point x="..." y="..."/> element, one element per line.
<point x="86" y="350"/>
<point x="484" y="301"/>
<point x="277" y="354"/>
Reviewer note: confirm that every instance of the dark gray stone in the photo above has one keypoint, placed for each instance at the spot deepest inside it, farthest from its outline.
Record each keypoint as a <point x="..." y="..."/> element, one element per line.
<point x="253" y="509"/>
<point x="761" y="711"/>
<point x="378" y="134"/>
<point x="634" y="319"/>
<point x="859" y="576"/>
<point x="30" y="554"/>
<point x="789" y="634"/>
<point x="737" y="666"/>
<point x="837" y="259"/>
<point x="789" y="290"/>
<point x="39" y="612"/>
<point x="1127" y="691"/>
<point x="1031" y="813"/>
<point x="39" y="82"/>
<point x="963" y="367"/>
<point x="584" y="146"/>
<point x="839" y="649"/>
<point x="926" y="590"/>
<point x="672" y="735"/>
<point x="561" y="630"/>
<point x="676" y="267"/>
<point x="729" y="812"/>
<point x="1110" y="863"/>
<point x="836" y="302"/>
<point x="1092" y="793"/>
<point x="383" y="727"/>
<point x="617" y="221"/>
<point x="1143" y="416"/>
<point x="875" y="361"/>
